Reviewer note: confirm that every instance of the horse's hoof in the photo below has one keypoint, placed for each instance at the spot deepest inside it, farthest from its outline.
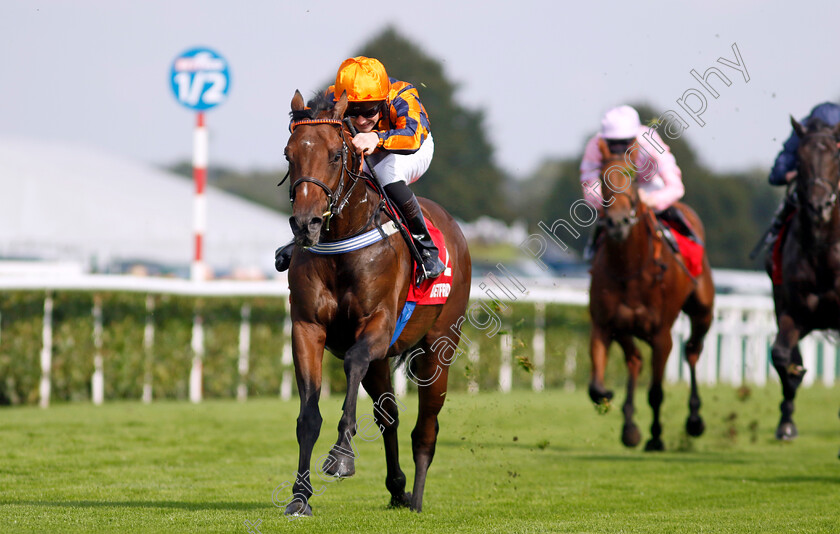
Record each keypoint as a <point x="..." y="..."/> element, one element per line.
<point x="339" y="465"/>
<point x="599" y="395"/>
<point x="630" y="435"/>
<point x="654" y="445"/>
<point x="298" y="508"/>
<point x="694" y="425"/>
<point x="786" y="431"/>
<point x="403" y="501"/>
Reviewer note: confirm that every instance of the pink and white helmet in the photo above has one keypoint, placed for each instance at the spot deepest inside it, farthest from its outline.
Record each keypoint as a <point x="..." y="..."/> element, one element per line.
<point x="621" y="122"/>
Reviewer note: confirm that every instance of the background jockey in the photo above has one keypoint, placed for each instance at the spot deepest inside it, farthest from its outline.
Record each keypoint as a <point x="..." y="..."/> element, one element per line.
<point x="393" y="131"/>
<point x="787" y="162"/>
<point x="658" y="176"/>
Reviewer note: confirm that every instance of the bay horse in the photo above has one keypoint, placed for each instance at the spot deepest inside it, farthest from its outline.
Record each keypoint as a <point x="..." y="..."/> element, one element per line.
<point x="349" y="303"/>
<point x="808" y="297"/>
<point x="638" y="287"/>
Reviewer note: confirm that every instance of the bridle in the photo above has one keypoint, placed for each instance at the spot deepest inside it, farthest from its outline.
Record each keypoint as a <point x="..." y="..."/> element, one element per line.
<point x="655" y="242"/>
<point x="829" y="203"/>
<point x="337" y="197"/>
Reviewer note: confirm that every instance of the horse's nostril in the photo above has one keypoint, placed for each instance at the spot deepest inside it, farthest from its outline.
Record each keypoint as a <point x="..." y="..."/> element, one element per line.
<point x="294" y="225"/>
<point x="315" y="223"/>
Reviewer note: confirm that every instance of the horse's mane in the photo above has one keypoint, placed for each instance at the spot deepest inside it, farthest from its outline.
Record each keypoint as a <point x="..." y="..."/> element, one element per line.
<point x="815" y="124"/>
<point x="314" y="107"/>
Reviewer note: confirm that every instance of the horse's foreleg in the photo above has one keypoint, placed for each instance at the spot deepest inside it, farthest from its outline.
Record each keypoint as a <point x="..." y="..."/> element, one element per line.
<point x="431" y="378"/>
<point x="788" y="364"/>
<point x="386" y="415"/>
<point x="630" y="435"/>
<point x="308" y="348"/>
<point x="372" y="343"/>
<point x="700" y="324"/>
<point x="661" y="348"/>
<point x="599" y="343"/>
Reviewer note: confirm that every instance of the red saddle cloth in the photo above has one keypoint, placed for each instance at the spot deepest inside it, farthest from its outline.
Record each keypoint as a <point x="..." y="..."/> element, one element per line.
<point x="776" y="267"/>
<point x="691" y="251"/>
<point x="433" y="291"/>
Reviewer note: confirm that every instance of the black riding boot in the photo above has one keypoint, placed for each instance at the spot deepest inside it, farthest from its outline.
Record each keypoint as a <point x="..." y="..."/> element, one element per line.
<point x="784" y="211"/>
<point x="677" y="220"/>
<point x="589" y="249"/>
<point x="283" y="257"/>
<point x="405" y="200"/>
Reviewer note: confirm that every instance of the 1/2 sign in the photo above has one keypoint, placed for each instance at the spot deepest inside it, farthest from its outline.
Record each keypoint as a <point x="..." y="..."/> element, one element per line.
<point x="200" y="79"/>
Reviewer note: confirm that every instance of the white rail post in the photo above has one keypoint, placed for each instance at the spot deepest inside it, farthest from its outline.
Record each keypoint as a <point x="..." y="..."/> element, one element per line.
<point x="148" y="348"/>
<point x="197" y="368"/>
<point x="473" y="357"/>
<point x="808" y="349"/>
<point x="707" y="367"/>
<point x="244" y="352"/>
<point x="286" y="361"/>
<point x="755" y="331"/>
<point x="829" y="363"/>
<point x="538" y="380"/>
<point x="569" y="368"/>
<point x="505" y="369"/>
<point x="676" y="368"/>
<point x="97" y="384"/>
<point x="44" y="389"/>
<point x="732" y="358"/>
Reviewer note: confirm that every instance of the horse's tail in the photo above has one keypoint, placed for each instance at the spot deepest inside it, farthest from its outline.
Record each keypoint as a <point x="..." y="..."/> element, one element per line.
<point x="406" y="359"/>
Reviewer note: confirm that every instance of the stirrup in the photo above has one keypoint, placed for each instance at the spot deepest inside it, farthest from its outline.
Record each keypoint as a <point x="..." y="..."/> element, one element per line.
<point x="429" y="269"/>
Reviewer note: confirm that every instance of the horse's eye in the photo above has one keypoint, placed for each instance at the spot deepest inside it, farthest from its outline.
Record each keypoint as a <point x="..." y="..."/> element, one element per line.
<point x="336" y="157"/>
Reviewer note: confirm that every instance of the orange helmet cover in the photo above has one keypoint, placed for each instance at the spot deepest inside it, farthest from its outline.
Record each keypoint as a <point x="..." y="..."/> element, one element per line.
<point x="364" y="79"/>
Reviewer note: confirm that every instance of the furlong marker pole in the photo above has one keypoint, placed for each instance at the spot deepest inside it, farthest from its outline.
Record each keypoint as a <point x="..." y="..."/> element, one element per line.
<point x="200" y="150"/>
<point x="198" y="272"/>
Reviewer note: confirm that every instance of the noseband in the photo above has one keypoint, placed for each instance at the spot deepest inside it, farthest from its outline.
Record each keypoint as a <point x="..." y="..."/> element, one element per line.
<point x="332" y="197"/>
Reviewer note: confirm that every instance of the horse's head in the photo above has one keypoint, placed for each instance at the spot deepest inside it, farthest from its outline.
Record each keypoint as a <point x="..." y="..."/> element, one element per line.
<point x="318" y="154"/>
<point x="819" y="169"/>
<point x="619" y="190"/>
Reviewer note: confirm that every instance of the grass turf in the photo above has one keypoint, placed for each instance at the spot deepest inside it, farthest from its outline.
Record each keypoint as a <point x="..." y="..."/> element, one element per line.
<point x="520" y="462"/>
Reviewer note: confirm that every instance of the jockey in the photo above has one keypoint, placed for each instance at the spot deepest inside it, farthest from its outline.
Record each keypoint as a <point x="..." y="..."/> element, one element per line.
<point x="393" y="131"/>
<point x="659" y="177"/>
<point x="786" y="165"/>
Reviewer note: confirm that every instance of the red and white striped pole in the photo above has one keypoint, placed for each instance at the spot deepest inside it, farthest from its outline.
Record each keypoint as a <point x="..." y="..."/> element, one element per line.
<point x="198" y="270"/>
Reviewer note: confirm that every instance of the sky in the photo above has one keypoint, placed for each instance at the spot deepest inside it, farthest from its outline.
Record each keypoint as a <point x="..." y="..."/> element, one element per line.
<point x="97" y="72"/>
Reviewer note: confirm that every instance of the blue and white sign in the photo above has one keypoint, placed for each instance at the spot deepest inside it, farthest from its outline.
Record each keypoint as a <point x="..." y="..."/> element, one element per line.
<point x="200" y="79"/>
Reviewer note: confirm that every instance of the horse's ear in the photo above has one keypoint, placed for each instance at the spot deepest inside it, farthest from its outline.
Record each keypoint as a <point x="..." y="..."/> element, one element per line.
<point x="798" y="128"/>
<point x="297" y="101"/>
<point x="603" y="148"/>
<point x="340" y="106"/>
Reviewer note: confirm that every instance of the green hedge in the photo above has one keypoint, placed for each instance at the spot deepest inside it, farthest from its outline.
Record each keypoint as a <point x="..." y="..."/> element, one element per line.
<point x="126" y="364"/>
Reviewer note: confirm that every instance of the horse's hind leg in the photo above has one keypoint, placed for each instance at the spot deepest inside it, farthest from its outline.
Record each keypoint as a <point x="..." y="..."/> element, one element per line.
<point x="431" y="377"/>
<point x="787" y="361"/>
<point x="661" y="348"/>
<point x="386" y="413"/>
<point x="630" y="435"/>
